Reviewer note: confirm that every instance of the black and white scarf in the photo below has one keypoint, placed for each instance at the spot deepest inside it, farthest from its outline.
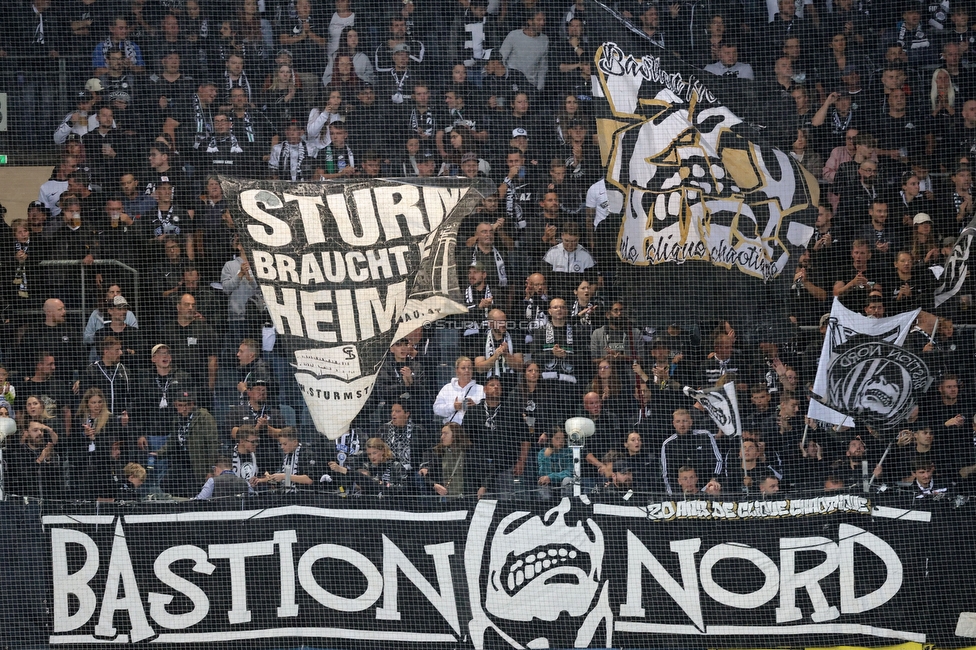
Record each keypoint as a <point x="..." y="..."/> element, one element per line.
<point x="912" y="39"/>
<point x="499" y="265"/>
<point x="248" y="129"/>
<point x="556" y="368"/>
<point x="841" y="125"/>
<point x="183" y="431"/>
<point x="235" y="147"/>
<point x="399" y="441"/>
<point x="473" y="326"/>
<point x="20" y="272"/>
<point x="204" y="123"/>
<point x="127" y="47"/>
<point x="294" y="170"/>
<point x="501" y="366"/>
<point x="422" y="122"/>
<point x="242" y="82"/>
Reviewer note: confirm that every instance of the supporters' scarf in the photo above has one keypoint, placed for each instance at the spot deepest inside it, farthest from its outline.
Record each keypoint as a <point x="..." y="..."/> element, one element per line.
<point x="422" y="123"/>
<point x="399" y="442"/>
<point x="501" y="367"/>
<point x="912" y="39"/>
<point x="234" y="146"/>
<point x="473" y="327"/>
<point x="565" y="372"/>
<point x="241" y="82"/>
<point x="20" y="272"/>
<point x="248" y="127"/>
<point x="336" y="162"/>
<point x="204" y="128"/>
<point x="183" y="431"/>
<point x="499" y="265"/>
<point x="128" y="49"/>
<point x="294" y="170"/>
<point x="840" y="126"/>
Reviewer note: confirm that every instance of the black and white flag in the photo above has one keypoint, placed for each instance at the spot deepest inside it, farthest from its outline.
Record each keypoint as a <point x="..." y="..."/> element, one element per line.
<point x="722" y="405"/>
<point x="865" y="375"/>
<point x="956" y="270"/>
<point x="696" y="181"/>
<point x="346" y="268"/>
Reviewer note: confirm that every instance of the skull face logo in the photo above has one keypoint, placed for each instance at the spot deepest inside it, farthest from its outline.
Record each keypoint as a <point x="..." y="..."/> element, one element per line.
<point x="532" y="561"/>
<point x="695" y="187"/>
<point x="542" y="571"/>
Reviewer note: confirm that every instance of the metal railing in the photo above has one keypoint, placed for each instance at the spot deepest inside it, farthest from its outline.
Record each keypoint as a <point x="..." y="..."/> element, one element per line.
<point x="84" y="294"/>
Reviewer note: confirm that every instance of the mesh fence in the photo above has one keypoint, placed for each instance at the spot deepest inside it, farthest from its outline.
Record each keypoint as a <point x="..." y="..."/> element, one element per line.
<point x="489" y="324"/>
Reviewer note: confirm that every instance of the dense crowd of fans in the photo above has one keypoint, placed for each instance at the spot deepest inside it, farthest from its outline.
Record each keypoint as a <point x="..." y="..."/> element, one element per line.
<point x="877" y="100"/>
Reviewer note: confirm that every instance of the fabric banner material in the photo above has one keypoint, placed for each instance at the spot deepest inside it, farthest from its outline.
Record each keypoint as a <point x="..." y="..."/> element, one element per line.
<point x="864" y="374"/>
<point x="722" y="406"/>
<point x="697" y="182"/>
<point x="957" y="266"/>
<point x="346" y="268"/>
<point x="484" y="574"/>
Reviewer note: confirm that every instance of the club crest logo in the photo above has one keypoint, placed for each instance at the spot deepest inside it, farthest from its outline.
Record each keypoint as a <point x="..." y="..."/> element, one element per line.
<point x="876" y="382"/>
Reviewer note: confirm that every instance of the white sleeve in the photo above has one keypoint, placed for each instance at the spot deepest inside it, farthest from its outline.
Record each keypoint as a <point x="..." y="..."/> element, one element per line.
<point x="275" y="156"/>
<point x="444" y="404"/>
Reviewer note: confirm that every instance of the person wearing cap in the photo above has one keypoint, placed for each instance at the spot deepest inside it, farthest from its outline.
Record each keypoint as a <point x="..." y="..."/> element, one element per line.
<point x="395" y="85"/>
<point x="154" y="391"/>
<point x="501" y="83"/>
<point x="527" y="49"/>
<point x="79" y="121"/>
<point x="118" y="40"/>
<point x="833" y="120"/>
<point x="265" y="418"/>
<point x="191" y="446"/>
<point x="471" y="166"/>
<point x="384" y="58"/>
<point x="118" y="326"/>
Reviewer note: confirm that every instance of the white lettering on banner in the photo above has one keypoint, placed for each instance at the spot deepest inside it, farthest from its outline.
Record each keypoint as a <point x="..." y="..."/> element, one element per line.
<point x="376" y="213"/>
<point x="184" y="579"/>
<point x="120" y="573"/>
<point x="701" y="509"/>
<point x="784" y="580"/>
<point x="359" y="313"/>
<point x="198" y="597"/>
<point x="366" y="265"/>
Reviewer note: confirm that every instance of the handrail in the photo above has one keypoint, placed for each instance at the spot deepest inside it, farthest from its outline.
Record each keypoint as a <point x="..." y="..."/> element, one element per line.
<point x="106" y="262"/>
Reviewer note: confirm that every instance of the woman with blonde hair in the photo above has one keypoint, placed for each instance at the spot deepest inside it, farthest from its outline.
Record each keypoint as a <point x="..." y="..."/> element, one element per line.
<point x="462" y="393"/>
<point x="92" y="448"/>
<point x="379" y="473"/>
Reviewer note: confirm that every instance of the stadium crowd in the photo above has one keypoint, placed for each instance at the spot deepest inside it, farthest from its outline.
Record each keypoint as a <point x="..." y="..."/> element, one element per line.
<point x="182" y="393"/>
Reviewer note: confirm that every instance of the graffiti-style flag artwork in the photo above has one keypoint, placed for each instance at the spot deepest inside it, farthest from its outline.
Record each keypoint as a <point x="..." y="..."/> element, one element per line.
<point x="697" y="182"/>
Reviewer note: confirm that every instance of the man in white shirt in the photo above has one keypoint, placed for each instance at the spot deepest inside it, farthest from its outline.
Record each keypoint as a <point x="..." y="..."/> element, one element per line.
<point x="567" y="260"/>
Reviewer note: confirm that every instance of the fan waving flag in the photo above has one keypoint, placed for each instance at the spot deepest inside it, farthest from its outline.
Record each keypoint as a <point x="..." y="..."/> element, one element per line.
<point x="956" y="270"/>
<point x="865" y="375"/>
<point x="722" y="405"/>
<point x="696" y="181"/>
<point x="345" y="269"/>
